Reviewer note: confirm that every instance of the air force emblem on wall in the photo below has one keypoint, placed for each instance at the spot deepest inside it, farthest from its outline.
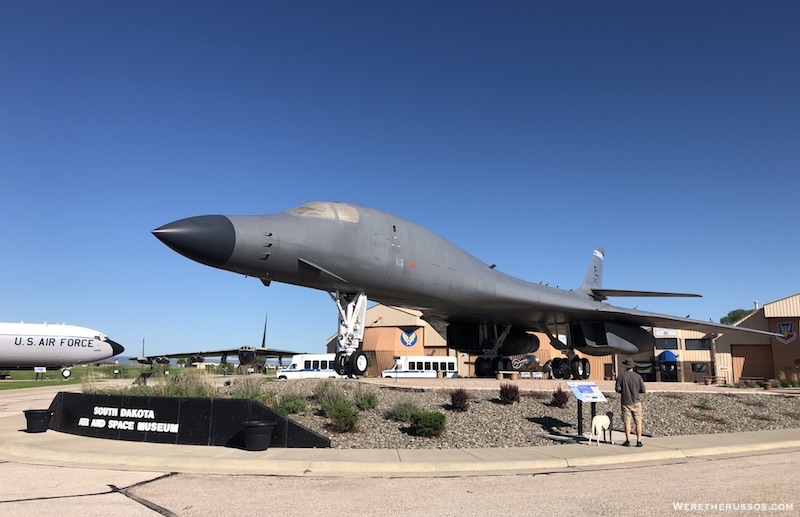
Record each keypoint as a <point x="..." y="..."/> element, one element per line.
<point x="408" y="338"/>
<point x="787" y="329"/>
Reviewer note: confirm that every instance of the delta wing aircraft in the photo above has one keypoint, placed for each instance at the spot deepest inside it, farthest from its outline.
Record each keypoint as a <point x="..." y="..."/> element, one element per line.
<point x="246" y="354"/>
<point x="39" y="344"/>
<point x="353" y="252"/>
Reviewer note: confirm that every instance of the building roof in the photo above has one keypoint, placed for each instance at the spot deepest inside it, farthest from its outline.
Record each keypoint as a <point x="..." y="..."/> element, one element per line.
<point x="788" y="307"/>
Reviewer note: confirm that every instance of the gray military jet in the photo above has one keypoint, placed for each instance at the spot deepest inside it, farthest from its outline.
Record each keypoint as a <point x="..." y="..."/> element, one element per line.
<point x="353" y="252"/>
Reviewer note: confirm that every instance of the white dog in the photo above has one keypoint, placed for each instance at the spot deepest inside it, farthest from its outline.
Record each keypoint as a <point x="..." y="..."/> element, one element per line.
<point x="601" y="423"/>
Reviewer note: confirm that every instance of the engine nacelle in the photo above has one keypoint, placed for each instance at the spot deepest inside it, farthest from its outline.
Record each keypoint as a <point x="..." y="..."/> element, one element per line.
<point x="467" y="338"/>
<point x="162" y="360"/>
<point x="603" y="337"/>
<point x="196" y="359"/>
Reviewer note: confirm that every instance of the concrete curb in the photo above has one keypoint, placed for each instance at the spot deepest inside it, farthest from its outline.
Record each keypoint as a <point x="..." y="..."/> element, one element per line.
<point x="53" y="448"/>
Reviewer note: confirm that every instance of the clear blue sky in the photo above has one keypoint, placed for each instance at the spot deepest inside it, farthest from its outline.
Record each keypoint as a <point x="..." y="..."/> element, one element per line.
<point x="525" y="132"/>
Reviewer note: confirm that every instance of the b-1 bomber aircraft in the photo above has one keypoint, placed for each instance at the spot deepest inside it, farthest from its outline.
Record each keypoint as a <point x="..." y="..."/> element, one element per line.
<point x="354" y="252"/>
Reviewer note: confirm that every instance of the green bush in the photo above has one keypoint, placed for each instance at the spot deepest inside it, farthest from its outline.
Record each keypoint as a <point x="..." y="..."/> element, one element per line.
<point x="328" y="393"/>
<point x="704" y="404"/>
<point x="343" y="415"/>
<point x="366" y="397"/>
<point x="509" y="393"/>
<point x="459" y="400"/>
<point x="428" y="423"/>
<point x="253" y="388"/>
<point x="560" y="397"/>
<point x="751" y="384"/>
<point x="402" y="412"/>
<point x="290" y="404"/>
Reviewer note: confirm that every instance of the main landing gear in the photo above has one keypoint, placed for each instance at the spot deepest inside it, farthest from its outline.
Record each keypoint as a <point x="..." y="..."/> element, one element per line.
<point x="574" y="368"/>
<point x="350" y="360"/>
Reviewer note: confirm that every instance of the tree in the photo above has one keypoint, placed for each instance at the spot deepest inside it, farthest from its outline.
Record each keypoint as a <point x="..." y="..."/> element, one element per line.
<point x="734" y="316"/>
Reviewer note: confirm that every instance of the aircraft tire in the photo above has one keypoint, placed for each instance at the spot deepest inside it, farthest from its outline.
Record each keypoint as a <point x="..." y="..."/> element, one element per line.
<point x="481" y="367"/>
<point x="340" y="363"/>
<point x="358" y="363"/>
<point x="555" y="368"/>
<point x="497" y="364"/>
<point x="66" y="372"/>
<point x="577" y="369"/>
<point x="587" y="368"/>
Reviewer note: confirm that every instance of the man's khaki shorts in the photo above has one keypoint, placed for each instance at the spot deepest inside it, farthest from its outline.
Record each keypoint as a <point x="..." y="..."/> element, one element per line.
<point x="632" y="411"/>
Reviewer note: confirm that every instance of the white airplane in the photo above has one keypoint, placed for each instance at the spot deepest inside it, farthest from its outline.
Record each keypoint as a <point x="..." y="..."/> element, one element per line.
<point x="55" y="346"/>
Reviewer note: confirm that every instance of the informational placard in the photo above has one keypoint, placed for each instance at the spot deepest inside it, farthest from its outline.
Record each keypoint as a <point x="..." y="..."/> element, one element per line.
<point x="586" y="391"/>
<point x="39" y="369"/>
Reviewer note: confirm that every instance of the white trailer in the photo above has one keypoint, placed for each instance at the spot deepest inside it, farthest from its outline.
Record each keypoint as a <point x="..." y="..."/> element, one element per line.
<point x="416" y="366"/>
<point x="311" y="366"/>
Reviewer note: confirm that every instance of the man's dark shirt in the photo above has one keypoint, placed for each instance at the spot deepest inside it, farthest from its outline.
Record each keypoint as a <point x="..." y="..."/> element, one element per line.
<point x="629" y="385"/>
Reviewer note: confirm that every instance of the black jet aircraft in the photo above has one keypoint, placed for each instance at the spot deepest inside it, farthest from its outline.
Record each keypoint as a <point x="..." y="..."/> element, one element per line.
<point x="353" y="252"/>
<point x="247" y="354"/>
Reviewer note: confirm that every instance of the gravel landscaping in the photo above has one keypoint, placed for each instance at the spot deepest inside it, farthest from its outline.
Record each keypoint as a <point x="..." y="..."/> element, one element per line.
<point x="489" y="423"/>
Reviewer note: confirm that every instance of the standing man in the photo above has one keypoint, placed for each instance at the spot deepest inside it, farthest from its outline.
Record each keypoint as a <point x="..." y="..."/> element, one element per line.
<point x="629" y="386"/>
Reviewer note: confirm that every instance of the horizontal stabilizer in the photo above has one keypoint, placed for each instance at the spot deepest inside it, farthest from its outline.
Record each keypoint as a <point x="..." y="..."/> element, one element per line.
<point x="602" y="294"/>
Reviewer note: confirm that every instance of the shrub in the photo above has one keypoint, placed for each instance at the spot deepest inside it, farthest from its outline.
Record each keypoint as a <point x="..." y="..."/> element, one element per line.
<point x="794" y="379"/>
<point x="704" y="404"/>
<point x="290" y="404"/>
<point x="784" y="383"/>
<point x="428" y="423"/>
<point x="327" y="394"/>
<point x="366" y="398"/>
<point x="250" y="387"/>
<point x="509" y="393"/>
<point x="402" y="412"/>
<point x="560" y="397"/>
<point x="775" y="383"/>
<point x="459" y="400"/>
<point x="343" y="415"/>
<point x="751" y="384"/>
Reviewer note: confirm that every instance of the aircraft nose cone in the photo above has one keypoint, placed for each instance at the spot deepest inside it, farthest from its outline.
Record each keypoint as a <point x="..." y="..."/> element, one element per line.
<point x="208" y="239"/>
<point x="116" y="347"/>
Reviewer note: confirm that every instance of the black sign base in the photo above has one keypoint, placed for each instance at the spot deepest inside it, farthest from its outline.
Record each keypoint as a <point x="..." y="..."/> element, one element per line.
<point x="185" y="421"/>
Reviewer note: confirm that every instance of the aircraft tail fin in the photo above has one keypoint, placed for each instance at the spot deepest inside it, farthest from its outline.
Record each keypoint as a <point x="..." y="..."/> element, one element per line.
<point x="594" y="275"/>
<point x="593" y="283"/>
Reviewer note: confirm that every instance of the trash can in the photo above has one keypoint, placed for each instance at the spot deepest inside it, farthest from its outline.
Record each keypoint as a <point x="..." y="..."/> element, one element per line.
<point x="258" y="434"/>
<point x="38" y="420"/>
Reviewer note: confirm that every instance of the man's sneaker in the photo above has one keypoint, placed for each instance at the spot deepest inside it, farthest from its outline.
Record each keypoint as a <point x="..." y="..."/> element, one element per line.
<point x="639" y="444"/>
<point x="626" y="444"/>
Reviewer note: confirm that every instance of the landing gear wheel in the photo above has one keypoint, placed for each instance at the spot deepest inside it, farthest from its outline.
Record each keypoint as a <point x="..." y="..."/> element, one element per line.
<point x="566" y="369"/>
<point x="555" y="368"/>
<point x="65" y="373"/>
<point x="482" y="367"/>
<point x="340" y="363"/>
<point x="358" y="363"/>
<point x="497" y="364"/>
<point x="587" y="368"/>
<point x="577" y="369"/>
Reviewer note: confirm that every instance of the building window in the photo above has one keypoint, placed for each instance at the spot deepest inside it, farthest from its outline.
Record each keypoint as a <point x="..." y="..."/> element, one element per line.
<point x="700" y="368"/>
<point x="666" y="343"/>
<point x="697" y="344"/>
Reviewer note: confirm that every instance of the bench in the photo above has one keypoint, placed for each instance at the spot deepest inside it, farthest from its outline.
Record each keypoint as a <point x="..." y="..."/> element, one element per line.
<point x="507" y="374"/>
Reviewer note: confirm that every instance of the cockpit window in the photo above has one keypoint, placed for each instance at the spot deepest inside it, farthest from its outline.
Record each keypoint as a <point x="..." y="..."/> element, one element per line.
<point x="346" y="213"/>
<point x="324" y="210"/>
<point x="315" y="209"/>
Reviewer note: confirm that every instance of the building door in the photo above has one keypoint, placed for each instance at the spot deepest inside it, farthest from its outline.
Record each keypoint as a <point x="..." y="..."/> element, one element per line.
<point x="751" y="361"/>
